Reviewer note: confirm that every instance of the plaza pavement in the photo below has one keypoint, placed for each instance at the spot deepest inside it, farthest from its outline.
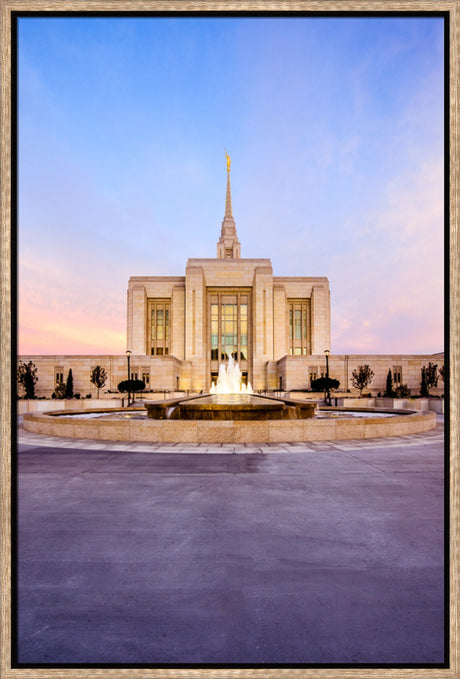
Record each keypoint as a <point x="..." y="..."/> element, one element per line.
<point x="267" y="554"/>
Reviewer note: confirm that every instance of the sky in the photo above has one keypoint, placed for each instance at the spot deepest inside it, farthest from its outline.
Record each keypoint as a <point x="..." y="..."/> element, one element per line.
<point x="335" y="131"/>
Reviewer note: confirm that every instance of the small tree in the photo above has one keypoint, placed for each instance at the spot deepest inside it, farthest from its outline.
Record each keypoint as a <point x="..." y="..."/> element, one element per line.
<point x="423" y="384"/>
<point x="429" y="379"/>
<point x="389" y="391"/>
<point x="27" y="377"/>
<point x="98" y="377"/>
<point x="441" y="373"/>
<point x="432" y="376"/>
<point x="131" y="386"/>
<point x="325" y="384"/>
<point x="69" y="385"/>
<point x="362" y="377"/>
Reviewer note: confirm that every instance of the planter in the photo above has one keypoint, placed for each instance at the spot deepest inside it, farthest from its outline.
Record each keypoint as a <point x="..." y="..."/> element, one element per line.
<point x="41" y="405"/>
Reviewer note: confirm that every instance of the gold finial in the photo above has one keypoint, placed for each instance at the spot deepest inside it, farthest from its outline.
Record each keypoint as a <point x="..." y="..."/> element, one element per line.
<point x="228" y="160"/>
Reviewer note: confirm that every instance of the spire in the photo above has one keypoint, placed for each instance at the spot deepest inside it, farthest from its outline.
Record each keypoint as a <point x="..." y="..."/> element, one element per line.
<point x="228" y="199"/>
<point x="228" y="246"/>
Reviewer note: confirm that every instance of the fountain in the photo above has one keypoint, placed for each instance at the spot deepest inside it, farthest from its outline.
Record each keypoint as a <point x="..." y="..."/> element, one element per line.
<point x="231" y="413"/>
<point x="229" y="380"/>
<point x="230" y="399"/>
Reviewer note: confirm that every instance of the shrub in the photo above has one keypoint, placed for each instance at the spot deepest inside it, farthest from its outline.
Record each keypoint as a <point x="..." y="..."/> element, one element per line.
<point x="402" y="391"/>
<point x="60" y="390"/>
<point x="324" y="383"/>
<point x="131" y="385"/>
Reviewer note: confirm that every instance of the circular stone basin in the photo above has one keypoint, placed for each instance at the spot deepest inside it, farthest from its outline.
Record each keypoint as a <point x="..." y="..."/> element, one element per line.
<point x="235" y="407"/>
<point x="231" y="407"/>
<point x="133" y="425"/>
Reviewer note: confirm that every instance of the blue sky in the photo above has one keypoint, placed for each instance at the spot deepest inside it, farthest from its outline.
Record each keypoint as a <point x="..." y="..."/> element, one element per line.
<point x="335" y="130"/>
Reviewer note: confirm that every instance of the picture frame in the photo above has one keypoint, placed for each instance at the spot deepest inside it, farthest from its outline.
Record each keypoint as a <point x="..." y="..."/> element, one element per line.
<point x="9" y="10"/>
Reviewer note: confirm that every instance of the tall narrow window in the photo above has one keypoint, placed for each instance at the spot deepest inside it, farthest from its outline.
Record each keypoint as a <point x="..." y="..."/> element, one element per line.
<point x="243" y="332"/>
<point x="299" y="327"/>
<point x="297" y="324"/>
<point x="214" y="332"/>
<point x="229" y="331"/>
<point x="159" y="326"/>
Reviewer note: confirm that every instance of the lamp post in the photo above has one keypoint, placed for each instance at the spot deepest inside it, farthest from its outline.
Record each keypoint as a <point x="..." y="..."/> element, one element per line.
<point x="128" y="355"/>
<point x="328" y="394"/>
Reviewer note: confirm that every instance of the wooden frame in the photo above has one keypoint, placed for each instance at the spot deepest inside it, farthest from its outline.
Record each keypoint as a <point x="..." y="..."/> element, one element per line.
<point x="8" y="7"/>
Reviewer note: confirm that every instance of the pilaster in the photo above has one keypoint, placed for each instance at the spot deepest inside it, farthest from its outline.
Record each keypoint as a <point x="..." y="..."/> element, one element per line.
<point x="137" y="315"/>
<point x="195" y="324"/>
<point x="262" y="324"/>
<point x="280" y="322"/>
<point x="320" y="319"/>
<point x="178" y="321"/>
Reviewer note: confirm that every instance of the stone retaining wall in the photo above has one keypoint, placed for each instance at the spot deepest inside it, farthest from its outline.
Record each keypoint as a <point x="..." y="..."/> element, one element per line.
<point x="269" y="431"/>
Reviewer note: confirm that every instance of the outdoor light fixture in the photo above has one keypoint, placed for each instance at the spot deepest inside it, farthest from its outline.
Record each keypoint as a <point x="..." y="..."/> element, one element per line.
<point x="128" y="355"/>
<point x="328" y="394"/>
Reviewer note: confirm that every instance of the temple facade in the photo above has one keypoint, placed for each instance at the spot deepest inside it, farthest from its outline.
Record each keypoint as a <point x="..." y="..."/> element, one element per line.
<point x="228" y="306"/>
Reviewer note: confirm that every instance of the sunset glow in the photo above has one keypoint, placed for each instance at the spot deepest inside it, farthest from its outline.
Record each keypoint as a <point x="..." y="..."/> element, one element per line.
<point x="335" y="130"/>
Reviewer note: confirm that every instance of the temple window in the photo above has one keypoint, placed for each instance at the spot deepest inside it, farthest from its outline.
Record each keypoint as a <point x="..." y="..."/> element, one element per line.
<point x="159" y="327"/>
<point x="228" y="324"/>
<point x="299" y="327"/>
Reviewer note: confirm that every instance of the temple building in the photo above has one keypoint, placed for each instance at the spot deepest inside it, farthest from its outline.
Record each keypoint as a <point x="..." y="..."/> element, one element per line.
<point x="228" y="306"/>
<point x="181" y="328"/>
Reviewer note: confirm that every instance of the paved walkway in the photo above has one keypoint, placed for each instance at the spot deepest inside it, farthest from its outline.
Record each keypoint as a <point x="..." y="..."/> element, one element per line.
<point x="315" y="553"/>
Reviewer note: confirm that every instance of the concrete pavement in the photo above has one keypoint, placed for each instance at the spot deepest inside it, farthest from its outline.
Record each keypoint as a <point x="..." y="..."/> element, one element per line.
<point x="312" y="553"/>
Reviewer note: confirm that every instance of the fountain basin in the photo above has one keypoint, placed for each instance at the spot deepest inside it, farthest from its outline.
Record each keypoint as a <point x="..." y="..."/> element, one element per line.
<point x="235" y="407"/>
<point x="129" y="428"/>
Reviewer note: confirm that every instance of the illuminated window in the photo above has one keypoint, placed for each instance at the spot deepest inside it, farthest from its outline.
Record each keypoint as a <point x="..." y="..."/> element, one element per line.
<point x="299" y="327"/>
<point x="229" y="340"/>
<point x="229" y="325"/>
<point x="214" y="332"/>
<point x="159" y="327"/>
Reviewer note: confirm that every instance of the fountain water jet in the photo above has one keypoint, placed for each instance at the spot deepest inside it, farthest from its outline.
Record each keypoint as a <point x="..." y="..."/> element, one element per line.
<point x="229" y="380"/>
